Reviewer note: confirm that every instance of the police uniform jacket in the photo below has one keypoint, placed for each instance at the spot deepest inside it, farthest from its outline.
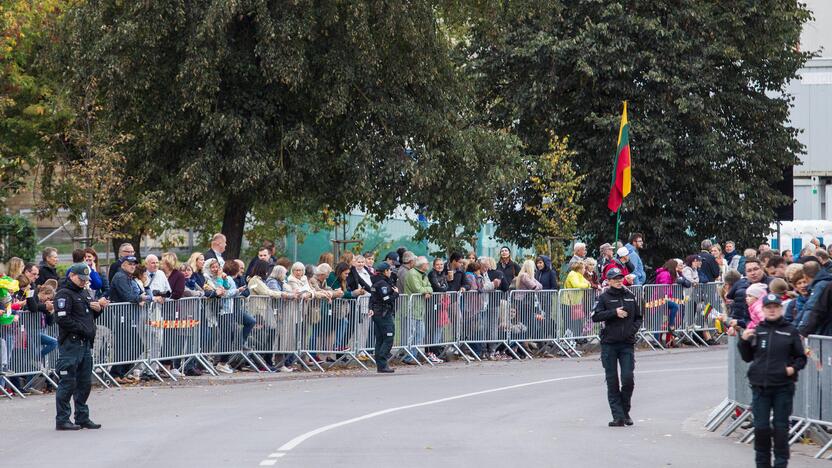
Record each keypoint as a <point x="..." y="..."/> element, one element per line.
<point x="383" y="297"/>
<point x="616" y="329"/>
<point x="774" y="346"/>
<point x="73" y="313"/>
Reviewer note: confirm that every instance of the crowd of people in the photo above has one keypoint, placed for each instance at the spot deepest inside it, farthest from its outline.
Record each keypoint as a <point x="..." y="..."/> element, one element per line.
<point x="801" y="281"/>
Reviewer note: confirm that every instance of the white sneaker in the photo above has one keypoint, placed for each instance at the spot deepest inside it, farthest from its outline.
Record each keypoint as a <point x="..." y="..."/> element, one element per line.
<point x="286" y="369"/>
<point x="175" y="372"/>
<point x="435" y="359"/>
<point x="136" y="374"/>
<point x="222" y="367"/>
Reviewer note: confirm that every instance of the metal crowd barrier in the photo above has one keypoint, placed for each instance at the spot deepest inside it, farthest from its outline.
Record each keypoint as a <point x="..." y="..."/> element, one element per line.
<point x="812" y="404"/>
<point x="259" y="331"/>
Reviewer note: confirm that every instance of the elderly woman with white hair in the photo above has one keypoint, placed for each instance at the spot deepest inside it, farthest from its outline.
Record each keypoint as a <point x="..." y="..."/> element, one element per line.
<point x="297" y="284"/>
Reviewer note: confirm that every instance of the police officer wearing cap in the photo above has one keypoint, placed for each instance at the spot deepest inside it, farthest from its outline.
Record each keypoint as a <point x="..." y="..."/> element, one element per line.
<point x="775" y="350"/>
<point x="75" y="312"/>
<point x="383" y="296"/>
<point x="618" y="309"/>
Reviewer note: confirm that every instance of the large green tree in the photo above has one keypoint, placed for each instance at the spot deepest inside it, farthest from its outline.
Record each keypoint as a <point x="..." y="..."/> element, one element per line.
<point x="705" y="82"/>
<point x="318" y="106"/>
<point x="26" y="94"/>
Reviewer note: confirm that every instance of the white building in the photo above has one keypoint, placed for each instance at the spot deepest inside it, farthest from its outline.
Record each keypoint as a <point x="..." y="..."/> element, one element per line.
<point x="812" y="113"/>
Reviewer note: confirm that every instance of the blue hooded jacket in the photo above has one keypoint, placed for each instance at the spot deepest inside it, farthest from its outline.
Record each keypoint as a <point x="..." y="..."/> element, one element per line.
<point x="638" y="266"/>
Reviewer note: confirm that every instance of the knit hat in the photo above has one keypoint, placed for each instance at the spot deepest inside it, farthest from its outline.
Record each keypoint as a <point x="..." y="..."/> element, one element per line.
<point x="778" y="286"/>
<point x="757" y="290"/>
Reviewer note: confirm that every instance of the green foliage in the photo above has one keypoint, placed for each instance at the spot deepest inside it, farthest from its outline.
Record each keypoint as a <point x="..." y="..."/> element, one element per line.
<point x="705" y="84"/>
<point x="324" y="106"/>
<point x="542" y="211"/>
<point x="26" y="96"/>
<point x="17" y="238"/>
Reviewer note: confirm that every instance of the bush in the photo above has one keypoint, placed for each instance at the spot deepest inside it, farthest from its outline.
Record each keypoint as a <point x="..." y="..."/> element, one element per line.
<point x="17" y="238"/>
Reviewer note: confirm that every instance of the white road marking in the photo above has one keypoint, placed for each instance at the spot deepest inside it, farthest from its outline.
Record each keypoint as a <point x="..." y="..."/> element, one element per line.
<point x="308" y="435"/>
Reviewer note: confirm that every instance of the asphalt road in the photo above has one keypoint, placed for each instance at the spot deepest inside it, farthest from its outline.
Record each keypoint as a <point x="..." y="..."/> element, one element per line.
<point x="543" y="413"/>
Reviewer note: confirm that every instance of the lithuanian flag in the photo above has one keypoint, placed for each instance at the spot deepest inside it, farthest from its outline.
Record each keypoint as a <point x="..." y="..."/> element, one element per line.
<point x="621" y="175"/>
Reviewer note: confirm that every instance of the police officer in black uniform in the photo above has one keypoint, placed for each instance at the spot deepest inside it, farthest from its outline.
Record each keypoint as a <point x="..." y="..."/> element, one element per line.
<point x="618" y="309"/>
<point x="383" y="296"/>
<point x="75" y="312"/>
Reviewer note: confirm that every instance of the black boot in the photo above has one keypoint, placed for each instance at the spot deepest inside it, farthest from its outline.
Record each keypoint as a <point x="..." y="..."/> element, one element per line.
<point x="89" y="425"/>
<point x="616" y="423"/>
<point x="386" y="370"/>
<point x="67" y="426"/>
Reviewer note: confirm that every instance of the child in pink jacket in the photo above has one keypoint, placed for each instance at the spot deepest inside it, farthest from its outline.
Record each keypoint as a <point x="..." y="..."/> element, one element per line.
<point x="754" y="298"/>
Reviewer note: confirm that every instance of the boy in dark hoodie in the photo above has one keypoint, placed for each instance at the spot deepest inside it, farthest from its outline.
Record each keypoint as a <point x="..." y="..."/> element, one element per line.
<point x="775" y="350"/>
<point x="547" y="277"/>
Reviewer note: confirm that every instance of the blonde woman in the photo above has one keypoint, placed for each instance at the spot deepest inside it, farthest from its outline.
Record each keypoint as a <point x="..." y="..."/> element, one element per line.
<point x="197" y="263"/>
<point x="525" y="303"/>
<point x="14" y="267"/>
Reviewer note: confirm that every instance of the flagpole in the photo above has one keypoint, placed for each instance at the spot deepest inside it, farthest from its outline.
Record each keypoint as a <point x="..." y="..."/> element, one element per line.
<point x="617" y="223"/>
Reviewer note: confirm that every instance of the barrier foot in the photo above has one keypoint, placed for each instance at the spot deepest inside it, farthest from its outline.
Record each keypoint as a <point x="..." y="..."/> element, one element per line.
<point x="510" y="350"/>
<point x="153" y="372"/>
<point x="736" y="424"/>
<point x="523" y="348"/>
<point x="798" y="430"/>
<point x="572" y="347"/>
<point x="262" y="363"/>
<point x="351" y="356"/>
<point x="716" y="411"/>
<point x="411" y="356"/>
<point x="701" y="340"/>
<point x="562" y="349"/>
<point x="298" y="358"/>
<point x="4" y="391"/>
<point x="823" y="449"/>
<point x="203" y="361"/>
<point x="687" y="335"/>
<point x="726" y="413"/>
<point x="461" y="354"/>
<point x="748" y="437"/>
<point x="313" y="360"/>
<point x="49" y="379"/>
<point x="249" y="361"/>
<point x="161" y="366"/>
<point x="425" y="356"/>
<point x="15" y="390"/>
<point x="472" y="351"/>
<point x="106" y="374"/>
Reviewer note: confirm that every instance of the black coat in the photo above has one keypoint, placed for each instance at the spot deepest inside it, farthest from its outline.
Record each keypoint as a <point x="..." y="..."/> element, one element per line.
<point x="383" y="297"/>
<point x="47" y="273"/>
<point x="509" y="271"/>
<point x="438" y="281"/>
<point x="775" y="346"/>
<point x="710" y="268"/>
<point x="618" y="330"/>
<point x="74" y="315"/>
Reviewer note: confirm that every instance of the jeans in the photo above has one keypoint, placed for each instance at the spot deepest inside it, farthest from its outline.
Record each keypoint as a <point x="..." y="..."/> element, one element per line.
<point x="765" y="401"/>
<point x="342" y="334"/>
<point x="47" y="344"/>
<point x="417" y="336"/>
<point x="672" y="309"/>
<point x="620" y="394"/>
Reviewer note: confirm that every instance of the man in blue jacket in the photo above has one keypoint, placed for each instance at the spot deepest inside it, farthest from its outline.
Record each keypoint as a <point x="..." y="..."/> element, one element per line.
<point x="636" y="243"/>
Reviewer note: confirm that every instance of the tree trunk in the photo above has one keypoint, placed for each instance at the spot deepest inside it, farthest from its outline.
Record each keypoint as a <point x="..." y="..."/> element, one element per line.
<point x="237" y="207"/>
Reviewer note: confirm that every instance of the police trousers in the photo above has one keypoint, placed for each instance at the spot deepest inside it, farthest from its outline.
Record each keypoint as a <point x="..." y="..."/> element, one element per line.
<point x="74" y="368"/>
<point x="384" y="328"/>
<point x="619" y="391"/>
<point x="772" y="406"/>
